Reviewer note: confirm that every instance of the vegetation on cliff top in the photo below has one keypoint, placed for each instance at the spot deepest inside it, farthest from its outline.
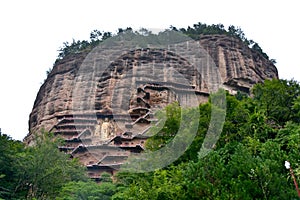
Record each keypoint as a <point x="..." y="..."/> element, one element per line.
<point x="259" y="134"/>
<point x="195" y="32"/>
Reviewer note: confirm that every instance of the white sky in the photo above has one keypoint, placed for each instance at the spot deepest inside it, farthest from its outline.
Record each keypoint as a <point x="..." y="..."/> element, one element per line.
<point x="32" y="31"/>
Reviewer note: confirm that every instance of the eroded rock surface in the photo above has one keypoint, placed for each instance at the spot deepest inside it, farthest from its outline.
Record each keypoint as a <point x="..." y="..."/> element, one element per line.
<point x="96" y="111"/>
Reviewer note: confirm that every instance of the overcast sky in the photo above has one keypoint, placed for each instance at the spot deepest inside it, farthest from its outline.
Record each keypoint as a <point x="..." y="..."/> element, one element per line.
<point x="31" y="32"/>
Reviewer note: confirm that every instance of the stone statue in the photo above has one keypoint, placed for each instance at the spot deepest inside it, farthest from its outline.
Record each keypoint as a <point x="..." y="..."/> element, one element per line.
<point x="105" y="129"/>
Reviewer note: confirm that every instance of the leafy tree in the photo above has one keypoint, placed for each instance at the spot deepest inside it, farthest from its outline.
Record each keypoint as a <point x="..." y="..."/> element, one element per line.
<point x="258" y="49"/>
<point x="86" y="190"/>
<point x="128" y="29"/>
<point x="74" y="48"/>
<point x="276" y="98"/>
<point x="233" y="172"/>
<point x="95" y="35"/>
<point x="169" y="129"/>
<point x="236" y="116"/>
<point x="296" y="110"/>
<point x="8" y="165"/>
<point x="106" y="35"/>
<point x="144" y="32"/>
<point x="232" y="30"/>
<point x="162" y="184"/>
<point x="44" y="169"/>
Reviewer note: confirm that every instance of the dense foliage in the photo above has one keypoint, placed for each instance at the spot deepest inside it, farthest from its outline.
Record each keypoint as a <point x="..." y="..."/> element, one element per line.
<point x="37" y="172"/>
<point x="259" y="134"/>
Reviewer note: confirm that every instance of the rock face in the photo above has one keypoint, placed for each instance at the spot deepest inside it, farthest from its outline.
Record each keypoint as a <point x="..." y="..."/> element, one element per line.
<point x="240" y="67"/>
<point x="97" y="111"/>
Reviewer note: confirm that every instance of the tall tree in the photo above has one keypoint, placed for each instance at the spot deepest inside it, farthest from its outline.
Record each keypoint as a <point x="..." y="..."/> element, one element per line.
<point x="8" y="165"/>
<point x="276" y="98"/>
<point x="44" y="169"/>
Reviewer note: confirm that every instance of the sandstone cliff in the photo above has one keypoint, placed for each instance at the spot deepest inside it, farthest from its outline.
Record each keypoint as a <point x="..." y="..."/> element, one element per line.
<point x="239" y="66"/>
<point x="103" y="113"/>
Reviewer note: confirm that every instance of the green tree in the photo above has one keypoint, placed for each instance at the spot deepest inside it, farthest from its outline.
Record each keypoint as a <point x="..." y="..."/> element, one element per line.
<point x="8" y="165"/>
<point x="276" y="98"/>
<point x="234" y="172"/>
<point x="44" y="169"/>
<point x="95" y="35"/>
<point x="106" y="35"/>
<point x="237" y="114"/>
<point x="161" y="184"/>
<point x="171" y="117"/>
<point x="86" y="190"/>
<point x="258" y="49"/>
